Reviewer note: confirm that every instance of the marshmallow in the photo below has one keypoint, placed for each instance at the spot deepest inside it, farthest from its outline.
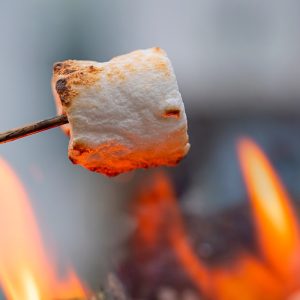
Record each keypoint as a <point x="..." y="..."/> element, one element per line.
<point x="123" y="114"/>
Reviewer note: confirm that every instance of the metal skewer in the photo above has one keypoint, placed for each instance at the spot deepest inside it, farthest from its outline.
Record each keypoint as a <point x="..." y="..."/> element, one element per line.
<point x="14" y="134"/>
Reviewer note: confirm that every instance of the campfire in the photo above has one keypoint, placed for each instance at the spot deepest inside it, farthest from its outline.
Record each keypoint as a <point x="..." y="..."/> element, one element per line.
<point x="166" y="258"/>
<point x="164" y="261"/>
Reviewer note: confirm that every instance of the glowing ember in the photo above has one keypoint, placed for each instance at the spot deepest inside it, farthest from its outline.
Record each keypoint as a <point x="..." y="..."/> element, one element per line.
<point x="26" y="273"/>
<point x="274" y="275"/>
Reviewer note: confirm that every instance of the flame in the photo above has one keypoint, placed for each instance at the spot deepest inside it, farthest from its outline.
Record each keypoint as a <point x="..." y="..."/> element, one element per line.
<point x="274" y="217"/>
<point x="246" y="276"/>
<point x="275" y="275"/>
<point x="156" y="208"/>
<point x="26" y="273"/>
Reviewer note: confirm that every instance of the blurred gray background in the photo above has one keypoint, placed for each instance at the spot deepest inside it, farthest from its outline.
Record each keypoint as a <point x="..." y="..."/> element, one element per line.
<point x="231" y="58"/>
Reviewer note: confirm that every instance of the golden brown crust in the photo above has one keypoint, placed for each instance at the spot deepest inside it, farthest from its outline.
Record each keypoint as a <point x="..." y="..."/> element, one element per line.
<point x="63" y="68"/>
<point x="71" y="73"/>
<point x="144" y="61"/>
<point x="114" y="72"/>
<point x="160" y="65"/>
<point x="68" y="74"/>
<point x="130" y="67"/>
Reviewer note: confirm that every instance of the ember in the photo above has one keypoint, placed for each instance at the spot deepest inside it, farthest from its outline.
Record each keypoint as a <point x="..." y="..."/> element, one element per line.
<point x="26" y="272"/>
<point x="165" y="257"/>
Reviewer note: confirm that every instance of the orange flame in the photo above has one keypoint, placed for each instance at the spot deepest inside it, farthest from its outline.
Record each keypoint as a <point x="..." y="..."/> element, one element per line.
<point x="157" y="209"/>
<point x="25" y="271"/>
<point x="246" y="276"/>
<point x="276" y="224"/>
<point x="275" y="276"/>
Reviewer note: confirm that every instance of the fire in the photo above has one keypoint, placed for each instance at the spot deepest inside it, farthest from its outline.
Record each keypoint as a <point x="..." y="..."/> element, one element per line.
<point x="152" y="216"/>
<point x="274" y="275"/>
<point x="26" y="273"/>
<point x="274" y="216"/>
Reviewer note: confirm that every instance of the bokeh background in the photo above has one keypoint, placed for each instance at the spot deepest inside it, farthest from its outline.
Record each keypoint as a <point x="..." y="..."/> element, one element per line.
<point x="238" y="69"/>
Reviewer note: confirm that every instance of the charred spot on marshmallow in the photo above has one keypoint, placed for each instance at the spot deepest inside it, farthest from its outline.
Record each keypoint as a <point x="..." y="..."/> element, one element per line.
<point x="61" y="85"/>
<point x="70" y="74"/>
<point x="80" y="147"/>
<point x="172" y="113"/>
<point x="75" y="70"/>
<point x="64" y="68"/>
<point x="65" y="92"/>
<point x="57" y="67"/>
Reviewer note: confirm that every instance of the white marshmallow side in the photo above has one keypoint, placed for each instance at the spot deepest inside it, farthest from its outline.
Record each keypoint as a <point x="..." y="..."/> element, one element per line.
<point x="131" y="116"/>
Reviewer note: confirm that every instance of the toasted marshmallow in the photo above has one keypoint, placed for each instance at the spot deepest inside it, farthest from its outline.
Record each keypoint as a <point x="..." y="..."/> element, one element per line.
<point x="123" y="114"/>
